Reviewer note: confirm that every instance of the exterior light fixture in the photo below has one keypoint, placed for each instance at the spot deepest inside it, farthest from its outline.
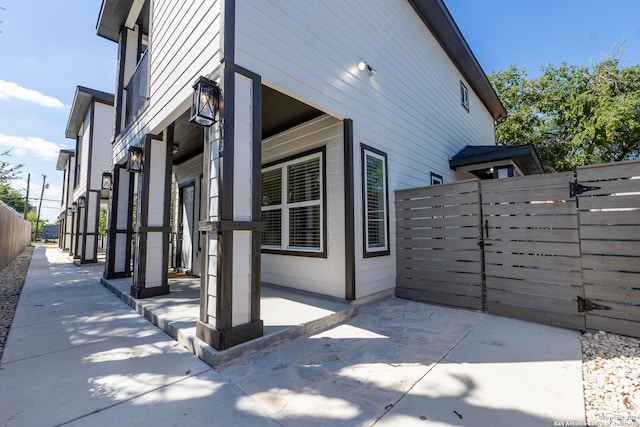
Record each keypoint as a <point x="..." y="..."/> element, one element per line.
<point x="134" y="160"/>
<point x="82" y="202"/>
<point x="69" y="211"/>
<point x="107" y="181"/>
<point x="362" y="66"/>
<point x="205" y="103"/>
<point x="74" y="207"/>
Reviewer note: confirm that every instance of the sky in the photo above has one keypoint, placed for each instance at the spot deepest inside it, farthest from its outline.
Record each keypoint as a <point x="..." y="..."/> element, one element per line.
<point x="49" y="47"/>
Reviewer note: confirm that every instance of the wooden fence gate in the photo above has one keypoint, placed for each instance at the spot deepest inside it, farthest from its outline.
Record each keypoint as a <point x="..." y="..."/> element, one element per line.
<point x="539" y="248"/>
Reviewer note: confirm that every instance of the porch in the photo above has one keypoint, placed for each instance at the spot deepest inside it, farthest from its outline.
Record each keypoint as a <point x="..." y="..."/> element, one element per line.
<point x="287" y="314"/>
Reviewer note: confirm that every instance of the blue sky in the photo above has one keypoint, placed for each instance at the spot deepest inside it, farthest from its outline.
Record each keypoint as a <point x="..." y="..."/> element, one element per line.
<point x="50" y="47"/>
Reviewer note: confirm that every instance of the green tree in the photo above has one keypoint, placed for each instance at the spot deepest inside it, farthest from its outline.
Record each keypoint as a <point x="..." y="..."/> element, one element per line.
<point x="12" y="197"/>
<point x="102" y="223"/>
<point x="573" y="115"/>
<point x="8" y="172"/>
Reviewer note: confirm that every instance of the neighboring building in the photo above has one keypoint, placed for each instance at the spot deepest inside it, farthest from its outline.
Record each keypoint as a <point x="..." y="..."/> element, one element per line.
<point x="91" y="126"/>
<point x="67" y="164"/>
<point x="327" y="107"/>
<point x="49" y="232"/>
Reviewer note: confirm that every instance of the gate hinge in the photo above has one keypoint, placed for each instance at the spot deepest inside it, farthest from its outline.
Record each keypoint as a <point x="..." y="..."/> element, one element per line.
<point x="575" y="189"/>
<point x="585" y="305"/>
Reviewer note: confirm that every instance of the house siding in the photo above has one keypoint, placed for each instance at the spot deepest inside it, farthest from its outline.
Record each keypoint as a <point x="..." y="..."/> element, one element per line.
<point x="321" y="275"/>
<point x="101" y="144"/>
<point x="410" y="109"/>
<point x="185" y="42"/>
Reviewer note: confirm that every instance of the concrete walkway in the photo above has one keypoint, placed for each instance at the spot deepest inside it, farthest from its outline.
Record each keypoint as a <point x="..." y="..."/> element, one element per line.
<point x="77" y="355"/>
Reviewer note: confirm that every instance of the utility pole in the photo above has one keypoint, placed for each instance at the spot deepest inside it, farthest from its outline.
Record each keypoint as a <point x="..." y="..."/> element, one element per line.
<point x="44" y="187"/>
<point x="26" y="200"/>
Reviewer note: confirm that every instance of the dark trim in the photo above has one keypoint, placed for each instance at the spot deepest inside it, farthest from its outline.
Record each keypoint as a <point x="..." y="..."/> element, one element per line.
<point x="256" y="198"/>
<point x="166" y="217"/>
<point x="464" y="93"/>
<point x="216" y="226"/>
<point x="228" y="31"/>
<point x="433" y="177"/>
<point x="152" y="229"/>
<point x="140" y="293"/>
<point x="365" y="253"/>
<point x="226" y="338"/>
<point x="323" y="166"/>
<point x="119" y="95"/>
<point x="349" y="212"/>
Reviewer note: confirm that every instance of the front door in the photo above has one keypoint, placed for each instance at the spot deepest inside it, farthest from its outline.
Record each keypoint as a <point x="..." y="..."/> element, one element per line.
<point x="186" y="227"/>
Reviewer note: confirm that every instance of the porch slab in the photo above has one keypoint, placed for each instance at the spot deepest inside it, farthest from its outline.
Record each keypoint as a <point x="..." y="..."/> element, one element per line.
<point x="286" y="314"/>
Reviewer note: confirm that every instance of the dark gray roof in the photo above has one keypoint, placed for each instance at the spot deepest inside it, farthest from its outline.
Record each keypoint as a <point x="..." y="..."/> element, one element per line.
<point x="114" y="13"/>
<point x="63" y="156"/>
<point x="437" y="18"/>
<point x="524" y="156"/>
<point x="81" y="102"/>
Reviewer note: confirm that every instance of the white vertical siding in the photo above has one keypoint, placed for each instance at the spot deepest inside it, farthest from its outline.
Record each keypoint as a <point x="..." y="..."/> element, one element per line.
<point x="321" y="275"/>
<point x="156" y="163"/>
<point x="241" y="298"/>
<point x="101" y="144"/>
<point x="185" y="43"/>
<point x="153" y="272"/>
<point x="410" y="109"/>
<point x="243" y="143"/>
<point x="83" y="158"/>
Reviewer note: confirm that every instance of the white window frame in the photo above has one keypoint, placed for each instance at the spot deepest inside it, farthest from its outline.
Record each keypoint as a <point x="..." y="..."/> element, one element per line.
<point x="285" y="207"/>
<point x="369" y="251"/>
<point x="464" y="96"/>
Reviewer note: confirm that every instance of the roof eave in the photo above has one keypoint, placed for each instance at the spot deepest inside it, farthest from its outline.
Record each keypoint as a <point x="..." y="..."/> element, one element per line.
<point x="63" y="158"/>
<point x="81" y="101"/>
<point x="437" y="18"/>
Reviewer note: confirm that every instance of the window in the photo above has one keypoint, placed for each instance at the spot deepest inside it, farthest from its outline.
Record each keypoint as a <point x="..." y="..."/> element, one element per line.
<point x="464" y="96"/>
<point x="375" y="202"/>
<point x="293" y="205"/>
<point x="436" y="179"/>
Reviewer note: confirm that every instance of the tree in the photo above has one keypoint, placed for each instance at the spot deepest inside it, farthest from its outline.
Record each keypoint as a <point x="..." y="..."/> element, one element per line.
<point x="102" y="222"/>
<point x="8" y="172"/>
<point x="573" y="115"/>
<point x="12" y="197"/>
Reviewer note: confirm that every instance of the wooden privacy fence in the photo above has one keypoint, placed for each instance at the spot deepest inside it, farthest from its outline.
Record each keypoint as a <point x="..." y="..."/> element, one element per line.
<point x="543" y="248"/>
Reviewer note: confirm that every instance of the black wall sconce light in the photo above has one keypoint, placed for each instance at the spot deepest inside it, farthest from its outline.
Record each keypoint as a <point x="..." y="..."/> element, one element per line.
<point x="107" y="181"/>
<point x="134" y="159"/>
<point x="82" y="202"/>
<point x="74" y="207"/>
<point x="205" y="103"/>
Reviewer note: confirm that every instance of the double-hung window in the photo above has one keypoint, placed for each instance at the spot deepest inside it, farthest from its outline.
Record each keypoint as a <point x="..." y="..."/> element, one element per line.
<point x="464" y="96"/>
<point x="375" y="202"/>
<point x="293" y="205"/>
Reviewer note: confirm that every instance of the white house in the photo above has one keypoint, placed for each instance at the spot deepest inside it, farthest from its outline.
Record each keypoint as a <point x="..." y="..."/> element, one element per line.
<point x="325" y="108"/>
<point x="91" y="126"/>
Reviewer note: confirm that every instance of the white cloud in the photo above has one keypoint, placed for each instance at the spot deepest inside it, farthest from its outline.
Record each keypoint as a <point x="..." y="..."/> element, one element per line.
<point x="36" y="147"/>
<point x="10" y="90"/>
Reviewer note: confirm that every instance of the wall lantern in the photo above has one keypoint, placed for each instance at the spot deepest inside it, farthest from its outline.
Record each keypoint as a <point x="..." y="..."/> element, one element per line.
<point x="107" y="181"/>
<point x="362" y="66"/>
<point x="205" y="103"/>
<point x="134" y="160"/>
<point x="69" y="211"/>
<point x="74" y="207"/>
<point x="82" y="202"/>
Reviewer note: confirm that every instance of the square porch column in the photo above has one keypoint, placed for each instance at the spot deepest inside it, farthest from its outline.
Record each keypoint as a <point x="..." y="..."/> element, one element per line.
<point x="230" y="291"/>
<point x="152" y="226"/>
<point x="119" y="233"/>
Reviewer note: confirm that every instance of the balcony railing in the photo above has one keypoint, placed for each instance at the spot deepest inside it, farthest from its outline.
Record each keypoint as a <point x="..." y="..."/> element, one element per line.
<point x="137" y="89"/>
